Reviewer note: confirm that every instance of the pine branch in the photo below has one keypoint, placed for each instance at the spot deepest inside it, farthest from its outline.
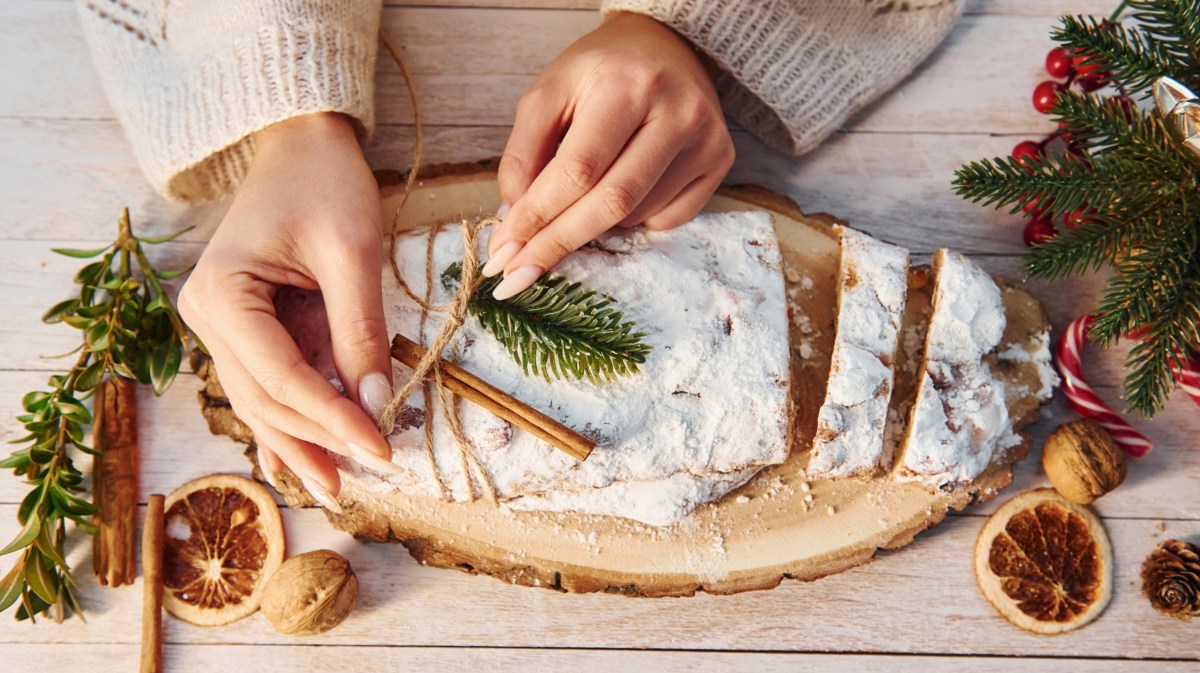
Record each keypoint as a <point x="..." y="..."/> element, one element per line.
<point x="1105" y="126"/>
<point x="557" y="330"/>
<point x="1061" y="185"/>
<point x="1134" y="59"/>
<point x="1175" y="25"/>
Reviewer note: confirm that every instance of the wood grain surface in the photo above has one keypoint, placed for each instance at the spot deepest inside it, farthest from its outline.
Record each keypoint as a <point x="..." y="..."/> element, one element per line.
<point x="66" y="170"/>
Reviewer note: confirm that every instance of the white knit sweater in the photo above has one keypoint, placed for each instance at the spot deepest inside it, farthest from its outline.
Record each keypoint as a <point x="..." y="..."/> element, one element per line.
<point x="191" y="80"/>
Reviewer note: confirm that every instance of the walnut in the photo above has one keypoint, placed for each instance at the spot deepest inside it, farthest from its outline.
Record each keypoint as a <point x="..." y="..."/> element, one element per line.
<point x="310" y="593"/>
<point x="1082" y="461"/>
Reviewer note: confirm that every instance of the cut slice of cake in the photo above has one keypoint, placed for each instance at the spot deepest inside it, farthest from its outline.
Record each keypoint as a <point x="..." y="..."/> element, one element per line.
<point x="959" y="418"/>
<point x="871" y="294"/>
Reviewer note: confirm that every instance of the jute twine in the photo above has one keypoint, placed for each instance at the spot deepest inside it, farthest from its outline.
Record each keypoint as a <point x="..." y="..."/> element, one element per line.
<point x="429" y="369"/>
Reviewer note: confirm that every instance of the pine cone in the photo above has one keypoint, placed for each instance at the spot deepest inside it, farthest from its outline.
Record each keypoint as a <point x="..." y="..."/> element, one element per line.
<point x="1171" y="579"/>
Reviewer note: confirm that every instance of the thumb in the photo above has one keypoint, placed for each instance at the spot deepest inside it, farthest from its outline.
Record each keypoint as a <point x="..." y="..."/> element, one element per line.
<point x="354" y="305"/>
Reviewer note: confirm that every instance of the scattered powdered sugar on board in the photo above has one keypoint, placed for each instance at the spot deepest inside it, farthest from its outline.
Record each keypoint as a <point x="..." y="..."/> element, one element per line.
<point x="959" y="418"/>
<point x="873" y="284"/>
<point x="706" y="411"/>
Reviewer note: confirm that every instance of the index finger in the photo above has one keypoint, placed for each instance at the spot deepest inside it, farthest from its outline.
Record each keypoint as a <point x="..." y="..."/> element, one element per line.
<point x="266" y="350"/>
<point x="601" y="127"/>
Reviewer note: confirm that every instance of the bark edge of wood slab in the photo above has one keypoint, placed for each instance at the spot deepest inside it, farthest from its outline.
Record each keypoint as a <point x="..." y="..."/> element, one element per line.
<point x="753" y="538"/>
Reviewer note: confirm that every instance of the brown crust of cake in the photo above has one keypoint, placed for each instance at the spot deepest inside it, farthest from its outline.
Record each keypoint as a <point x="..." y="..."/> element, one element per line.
<point x="772" y="537"/>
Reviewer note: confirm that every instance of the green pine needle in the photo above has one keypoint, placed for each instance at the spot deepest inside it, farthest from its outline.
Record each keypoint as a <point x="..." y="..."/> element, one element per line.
<point x="556" y="329"/>
<point x="1139" y="191"/>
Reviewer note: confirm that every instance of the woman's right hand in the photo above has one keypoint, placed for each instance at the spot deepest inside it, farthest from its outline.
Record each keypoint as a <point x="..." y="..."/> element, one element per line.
<point x="307" y="215"/>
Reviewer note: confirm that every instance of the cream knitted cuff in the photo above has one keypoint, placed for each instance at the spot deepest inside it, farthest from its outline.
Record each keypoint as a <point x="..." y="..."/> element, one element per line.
<point x="793" y="71"/>
<point x="189" y="98"/>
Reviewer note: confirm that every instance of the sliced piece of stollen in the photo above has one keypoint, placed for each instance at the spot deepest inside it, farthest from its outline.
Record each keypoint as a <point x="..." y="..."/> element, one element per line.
<point x="958" y="419"/>
<point x="872" y="288"/>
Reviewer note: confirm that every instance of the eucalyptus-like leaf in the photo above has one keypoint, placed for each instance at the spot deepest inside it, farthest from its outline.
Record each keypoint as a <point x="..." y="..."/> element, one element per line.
<point x="155" y="240"/>
<point x="90" y="377"/>
<point x="40" y="578"/>
<point x="49" y="549"/>
<point x="29" y="533"/>
<point x="35" y="400"/>
<point x="69" y="503"/>
<point x="79" y="253"/>
<point x="168" y="275"/>
<point x="56" y="312"/>
<point x="12" y="585"/>
<point x="165" y="365"/>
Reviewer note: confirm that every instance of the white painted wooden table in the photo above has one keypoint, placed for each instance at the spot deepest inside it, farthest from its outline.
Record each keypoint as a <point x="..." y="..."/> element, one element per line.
<point x="65" y="172"/>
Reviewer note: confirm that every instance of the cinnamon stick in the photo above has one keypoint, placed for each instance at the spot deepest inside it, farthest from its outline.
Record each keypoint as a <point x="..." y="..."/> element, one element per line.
<point x="152" y="586"/>
<point x="115" y="481"/>
<point x="474" y="389"/>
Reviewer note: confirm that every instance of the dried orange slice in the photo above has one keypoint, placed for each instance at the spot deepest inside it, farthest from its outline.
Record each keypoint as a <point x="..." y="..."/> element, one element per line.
<point x="223" y="542"/>
<point x="1045" y="563"/>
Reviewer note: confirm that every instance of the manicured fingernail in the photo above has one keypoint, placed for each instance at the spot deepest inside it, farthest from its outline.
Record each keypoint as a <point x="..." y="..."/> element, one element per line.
<point x="374" y="393"/>
<point x="265" y="467"/>
<point x="502" y="211"/>
<point x="503" y="256"/>
<point x="518" y="281"/>
<point x="371" y="460"/>
<point x="322" y="495"/>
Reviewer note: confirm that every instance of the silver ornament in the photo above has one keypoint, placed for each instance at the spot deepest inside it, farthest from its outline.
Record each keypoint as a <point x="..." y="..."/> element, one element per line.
<point x="1180" y="109"/>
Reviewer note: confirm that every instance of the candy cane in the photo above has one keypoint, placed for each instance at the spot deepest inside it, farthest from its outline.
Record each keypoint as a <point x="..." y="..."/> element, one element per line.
<point x="1188" y="377"/>
<point x="1084" y="399"/>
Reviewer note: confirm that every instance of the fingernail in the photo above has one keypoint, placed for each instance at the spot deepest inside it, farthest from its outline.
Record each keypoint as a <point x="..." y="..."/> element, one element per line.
<point x="503" y="210"/>
<point x="371" y="460"/>
<point x="503" y="256"/>
<point x="374" y="393"/>
<point x="322" y="495"/>
<point x="265" y="467"/>
<point x="518" y="281"/>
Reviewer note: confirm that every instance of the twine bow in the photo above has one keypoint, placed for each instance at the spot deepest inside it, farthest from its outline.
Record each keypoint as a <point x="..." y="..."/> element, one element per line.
<point x="430" y="365"/>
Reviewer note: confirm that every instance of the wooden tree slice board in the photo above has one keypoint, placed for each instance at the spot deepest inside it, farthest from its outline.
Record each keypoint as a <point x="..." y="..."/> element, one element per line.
<point x="779" y="525"/>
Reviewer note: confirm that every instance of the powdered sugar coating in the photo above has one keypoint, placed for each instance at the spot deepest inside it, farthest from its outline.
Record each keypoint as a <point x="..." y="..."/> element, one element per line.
<point x="960" y="418"/>
<point x="850" y="426"/>
<point x="706" y="410"/>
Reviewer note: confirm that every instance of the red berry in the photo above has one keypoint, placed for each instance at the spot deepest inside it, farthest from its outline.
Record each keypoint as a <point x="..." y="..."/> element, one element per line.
<point x="1026" y="153"/>
<point x="1045" y="95"/>
<point x="1076" y="217"/>
<point x="1123" y="104"/>
<point x="1093" y="82"/>
<point x="1085" y="69"/>
<point x="1034" y="208"/>
<point x="1039" y="230"/>
<point x="1059" y="63"/>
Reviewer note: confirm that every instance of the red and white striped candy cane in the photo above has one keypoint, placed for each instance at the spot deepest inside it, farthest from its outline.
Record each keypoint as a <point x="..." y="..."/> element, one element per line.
<point x="1084" y="399"/>
<point x="1188" y="377"/>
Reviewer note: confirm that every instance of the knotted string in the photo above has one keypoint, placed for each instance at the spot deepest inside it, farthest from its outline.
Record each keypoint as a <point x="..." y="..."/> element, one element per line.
<point x="430" y="365"/>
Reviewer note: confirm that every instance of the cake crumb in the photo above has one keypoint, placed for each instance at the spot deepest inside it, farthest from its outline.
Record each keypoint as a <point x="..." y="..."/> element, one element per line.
<point x="742" y="499"/>
<point x="831" y="510"/>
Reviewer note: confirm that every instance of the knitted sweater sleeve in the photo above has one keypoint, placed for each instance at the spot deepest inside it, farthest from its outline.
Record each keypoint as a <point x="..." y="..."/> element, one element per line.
<point x="793" y="71"/>
<point x="191" y="80"/>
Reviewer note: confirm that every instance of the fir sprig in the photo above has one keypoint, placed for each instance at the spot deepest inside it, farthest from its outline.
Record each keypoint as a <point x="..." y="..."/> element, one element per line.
<point x="1133" y="190"/>
<point x="556" y="329"/>
<point x="129" y="329"/>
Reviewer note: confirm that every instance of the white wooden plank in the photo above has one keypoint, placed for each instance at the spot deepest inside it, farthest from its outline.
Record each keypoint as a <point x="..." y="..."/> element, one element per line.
<point x="463" y="80"/>
<point x="920" y="600"/>
<point x="289" y="659"/>
<point x="69" y="179"/>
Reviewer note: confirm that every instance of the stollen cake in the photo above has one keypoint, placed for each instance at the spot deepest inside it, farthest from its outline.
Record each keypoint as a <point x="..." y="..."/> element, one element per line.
<point x="872" y="284"/>
<point x="709" y="407"/>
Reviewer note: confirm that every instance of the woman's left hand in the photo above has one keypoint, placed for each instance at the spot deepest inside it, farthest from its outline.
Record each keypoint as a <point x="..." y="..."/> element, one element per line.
<point x="623" y="128"/>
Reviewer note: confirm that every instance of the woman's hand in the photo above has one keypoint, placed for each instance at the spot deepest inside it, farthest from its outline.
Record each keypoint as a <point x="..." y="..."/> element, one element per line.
<point x="642" y="140"/>
<point x="307" y="215"/>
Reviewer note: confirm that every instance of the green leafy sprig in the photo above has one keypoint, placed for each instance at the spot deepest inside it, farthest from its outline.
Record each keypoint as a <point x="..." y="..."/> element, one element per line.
<point x="130" y="329"/>
<point x="1137" y="188"/>
<point x="556" y="329"/>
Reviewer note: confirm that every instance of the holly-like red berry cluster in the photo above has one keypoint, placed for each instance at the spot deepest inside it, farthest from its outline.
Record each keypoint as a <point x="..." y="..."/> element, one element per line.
<point x="1067" y="69"/>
